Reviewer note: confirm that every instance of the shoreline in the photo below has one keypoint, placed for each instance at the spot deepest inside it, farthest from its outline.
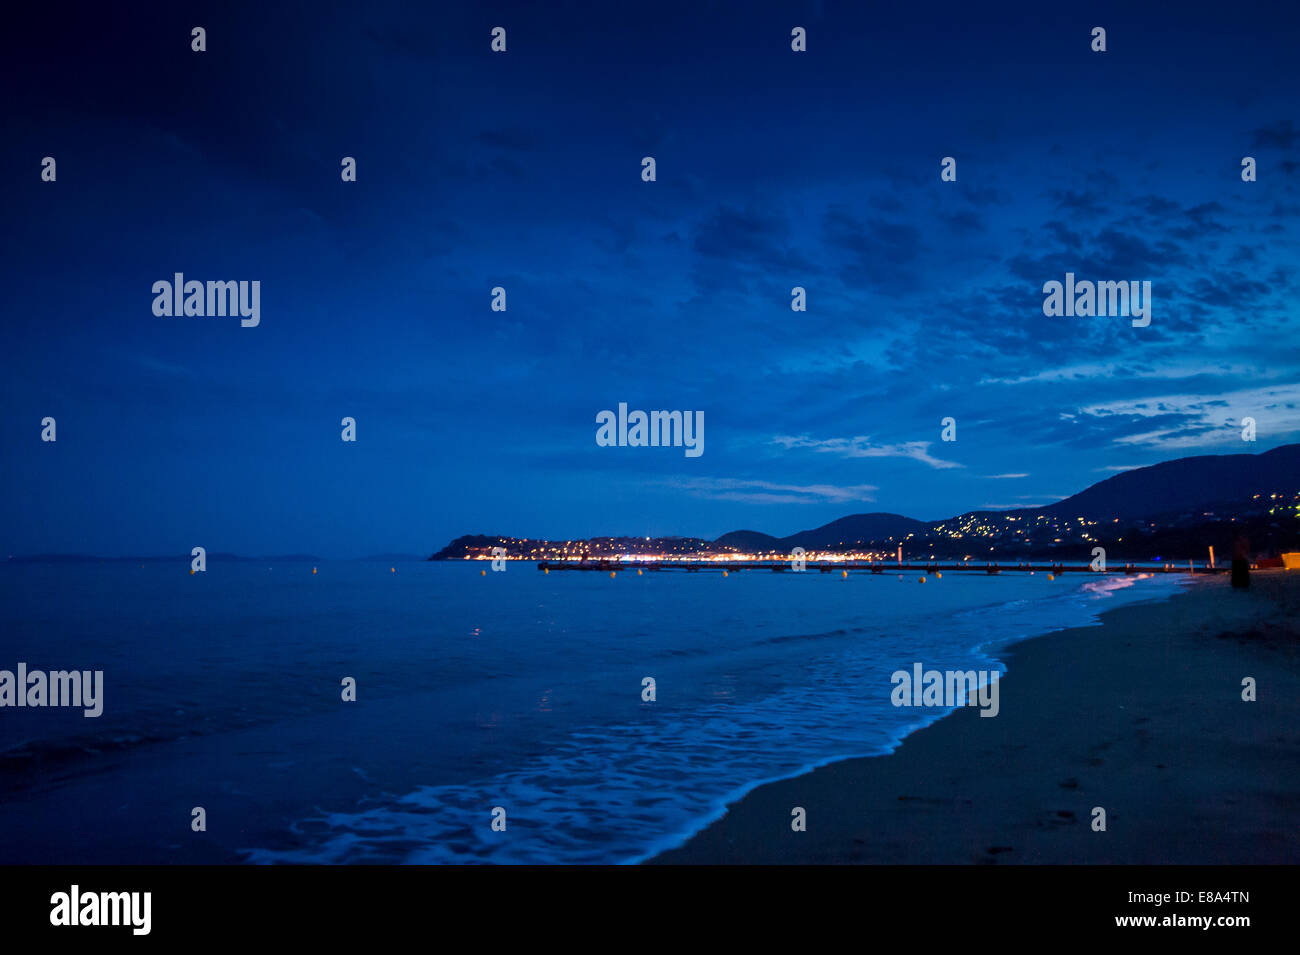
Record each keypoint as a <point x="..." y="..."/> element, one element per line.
<point x="995" y="652"/>
<point x="1149" y="724"/>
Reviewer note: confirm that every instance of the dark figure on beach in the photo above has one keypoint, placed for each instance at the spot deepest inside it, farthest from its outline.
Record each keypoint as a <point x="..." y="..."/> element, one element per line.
<point x="1241" y="562"/>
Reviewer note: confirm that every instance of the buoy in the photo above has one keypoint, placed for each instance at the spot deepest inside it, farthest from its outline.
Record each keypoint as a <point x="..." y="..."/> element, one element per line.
<point x="724" y="573"/>
<point x="922" y="580"/>
<point x="938" y="576"/>
<point x="1051" y="576"/>
<point x="611" y="575"/>
<point x="393" y="569"/>
<point x="844" y="573"/>
<point x="546" y="570"/>
<point x="638" y="571"/>
<point x="482" y="573"/>
<point x="313" y="570"/>
<point x="191" y="571"/>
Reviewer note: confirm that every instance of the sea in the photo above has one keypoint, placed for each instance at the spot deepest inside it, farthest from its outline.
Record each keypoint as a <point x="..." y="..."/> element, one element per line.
<point x="514" y="697"/>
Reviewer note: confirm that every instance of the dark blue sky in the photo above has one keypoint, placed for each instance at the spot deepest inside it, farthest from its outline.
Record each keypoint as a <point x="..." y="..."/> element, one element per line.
<point x="522" y="170"/>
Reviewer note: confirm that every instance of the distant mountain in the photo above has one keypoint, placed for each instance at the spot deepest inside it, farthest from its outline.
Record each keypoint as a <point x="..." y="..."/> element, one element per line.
<point x="467" y="544"/>
<point x="856" y="529"/>
<point x="1185" y="484"/>
<point x="750" y="542"/>
<point x="1179" y="507"/>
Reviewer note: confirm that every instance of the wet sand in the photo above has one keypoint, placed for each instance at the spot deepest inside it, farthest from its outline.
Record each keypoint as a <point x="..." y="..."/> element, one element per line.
<point x="1141" y="715"/>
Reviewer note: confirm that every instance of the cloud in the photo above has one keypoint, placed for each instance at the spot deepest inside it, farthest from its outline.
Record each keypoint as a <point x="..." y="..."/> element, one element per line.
<point x="1230" y="289"/>
<point x="861" y="447"/>
<point x="1102" y="371"/>
<point x="731" y="233"/>
<point x="739" y="247"/>
<point x="880" y="254"/>
<point x="980" y="196"/>
<point x="1064" y="235"/>
<point x="1180" y="422"/>
<point x="1082" y="373"/>
<point x="1000" y="477"/>
<point x="169" y="369"/>
<point x="965" y="222"/>
<point x="1119" y="254"/>
<point x="1080" y="204"/>
<point x="766" y="492"/>
<point x="1281" y="135"/>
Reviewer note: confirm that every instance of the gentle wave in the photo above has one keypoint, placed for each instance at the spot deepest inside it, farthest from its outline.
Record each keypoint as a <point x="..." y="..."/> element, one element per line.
<point x="624" y="792"/>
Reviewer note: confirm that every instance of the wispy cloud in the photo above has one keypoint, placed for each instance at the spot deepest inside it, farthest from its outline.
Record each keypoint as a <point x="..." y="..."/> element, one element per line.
<point x="1026" y="500"/>
<point x="766" y="492"/>
<point x="1187" y="421"/>
<point x="861" y="447"/>
<point x="1098" y="371"/>
<point x="1000" y="477"/>
<point x="150" y="363"/>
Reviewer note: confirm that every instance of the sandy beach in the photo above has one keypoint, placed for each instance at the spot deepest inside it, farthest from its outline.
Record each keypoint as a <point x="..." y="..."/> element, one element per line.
<point x="1142" y="715"/>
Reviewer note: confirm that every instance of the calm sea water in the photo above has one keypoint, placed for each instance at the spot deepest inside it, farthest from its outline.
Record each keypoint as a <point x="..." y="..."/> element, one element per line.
<point x="515" y="689"/>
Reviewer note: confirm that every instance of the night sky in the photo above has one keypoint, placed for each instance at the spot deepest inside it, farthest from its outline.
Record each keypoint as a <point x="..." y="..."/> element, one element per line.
<point x="522" y="170"/>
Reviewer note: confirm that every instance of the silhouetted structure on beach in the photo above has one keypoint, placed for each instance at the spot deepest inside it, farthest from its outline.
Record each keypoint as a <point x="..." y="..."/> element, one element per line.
<point x="1241" y="562"/>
